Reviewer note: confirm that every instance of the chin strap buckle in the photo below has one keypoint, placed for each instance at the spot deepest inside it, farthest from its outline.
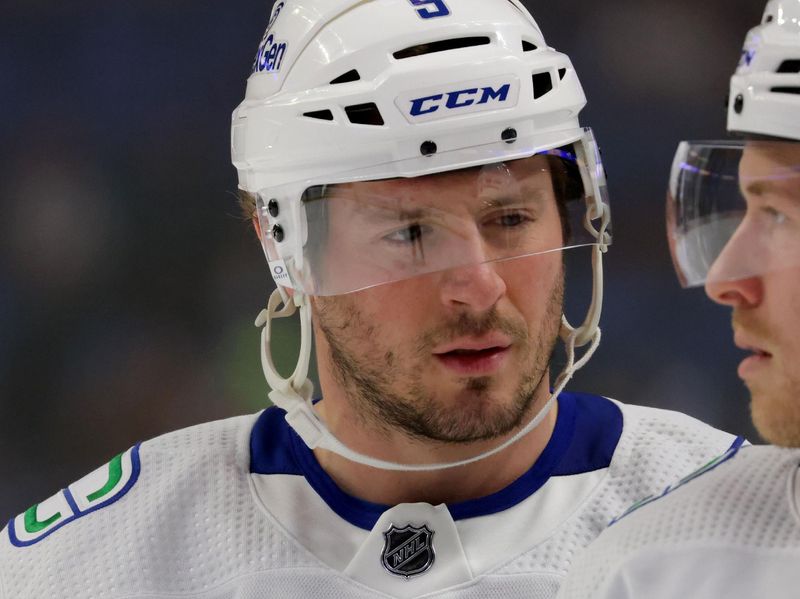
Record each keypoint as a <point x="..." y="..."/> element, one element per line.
<point x="302" y="419"/>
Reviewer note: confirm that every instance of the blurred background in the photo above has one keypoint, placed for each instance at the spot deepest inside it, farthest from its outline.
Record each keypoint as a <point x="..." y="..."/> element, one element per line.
<point x="129" y="283"/>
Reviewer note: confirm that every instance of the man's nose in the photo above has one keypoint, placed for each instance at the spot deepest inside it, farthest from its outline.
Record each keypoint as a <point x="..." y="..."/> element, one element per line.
<point x="477" y="287"/>
<point x="738" y="293"/>
<point x="731" y="280"/>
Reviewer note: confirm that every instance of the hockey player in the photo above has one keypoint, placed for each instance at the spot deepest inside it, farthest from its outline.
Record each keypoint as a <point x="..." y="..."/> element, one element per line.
<point x="414" y="169"/>
<point x="732" y="529"/>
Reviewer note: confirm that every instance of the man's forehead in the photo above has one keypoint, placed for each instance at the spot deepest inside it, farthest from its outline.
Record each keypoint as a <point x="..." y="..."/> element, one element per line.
<point x="499" y="178"/>
<point x="771" y="167"/>
<point x="767" y="154"/>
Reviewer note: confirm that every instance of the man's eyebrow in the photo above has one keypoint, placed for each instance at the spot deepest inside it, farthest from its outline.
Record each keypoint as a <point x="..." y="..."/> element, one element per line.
<point x="764" y="186"/>
<point x="500" y="201"/>
<point x="378" y="213"/>
<point x="756" y="188"/>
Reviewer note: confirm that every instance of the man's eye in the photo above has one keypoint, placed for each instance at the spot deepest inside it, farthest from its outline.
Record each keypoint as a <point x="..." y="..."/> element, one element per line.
<point x="510" y="219"/>
<point x="776" y="216"/>
<point x="410" y="234"/>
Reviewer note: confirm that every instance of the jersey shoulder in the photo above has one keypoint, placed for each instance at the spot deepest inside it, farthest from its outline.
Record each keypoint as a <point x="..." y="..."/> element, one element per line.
<point x="183" y="450"/>
<point x="705" y="469"/>
<point x="739" y="506"/>
<point x="138" y="504"/>
<point x="753" y="475"/>
<point x="656" y="448"/>
<point x="98" y="489"/>
<point x="659" y="427"/>
<point x="668" y="442"/>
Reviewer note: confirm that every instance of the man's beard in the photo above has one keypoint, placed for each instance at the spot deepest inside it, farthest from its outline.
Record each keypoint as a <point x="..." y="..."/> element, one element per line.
<point x="774" y="406"/>
<point x="776" y="413"/>
<point x="373" y="374"/>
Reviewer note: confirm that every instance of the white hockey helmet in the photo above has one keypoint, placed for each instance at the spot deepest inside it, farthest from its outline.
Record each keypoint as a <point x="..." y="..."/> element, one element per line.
<point x="764" y="94"/>
<point x="347" y="91"/>
<point x="706" y="203"/>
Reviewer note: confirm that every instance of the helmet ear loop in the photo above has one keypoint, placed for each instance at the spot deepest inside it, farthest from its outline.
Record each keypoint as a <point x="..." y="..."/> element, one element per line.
<point x="293" y="394"/>
<point x="584" y="333"/>
<point x="286" y="391"/>
<point x="569" y="335"/>
<point x="589" y="162"/>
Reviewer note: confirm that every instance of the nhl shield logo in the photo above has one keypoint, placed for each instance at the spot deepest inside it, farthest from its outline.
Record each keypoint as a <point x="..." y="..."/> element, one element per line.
<point x="408" y="551"/>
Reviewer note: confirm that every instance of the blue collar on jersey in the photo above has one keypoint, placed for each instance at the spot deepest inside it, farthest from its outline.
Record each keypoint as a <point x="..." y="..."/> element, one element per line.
<point x="586" y="434"/>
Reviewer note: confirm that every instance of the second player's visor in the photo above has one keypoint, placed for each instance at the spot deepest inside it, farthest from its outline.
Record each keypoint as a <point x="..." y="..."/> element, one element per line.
<point x="733" y="210"/>
<point x="362" y="233"/>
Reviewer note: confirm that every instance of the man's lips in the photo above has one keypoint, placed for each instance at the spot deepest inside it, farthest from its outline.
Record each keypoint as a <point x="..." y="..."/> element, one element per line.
<point x="758" y="358"/>
<point x="474" y="356"/>
<point x="474" y="344"/>
<point x="747" y="344"/>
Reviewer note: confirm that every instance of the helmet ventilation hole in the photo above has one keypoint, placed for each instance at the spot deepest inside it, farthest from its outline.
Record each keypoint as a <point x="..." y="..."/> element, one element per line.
<point x="364" y="114"/>
<point x="561" y="73"/>
<point x="528" y="46"/>
<point x="789" y="66"/>
<point x="542" y="84"/>
<point x="349" y="76"/>
<point x="323" y="115"/>
<point x="442" y="46"/>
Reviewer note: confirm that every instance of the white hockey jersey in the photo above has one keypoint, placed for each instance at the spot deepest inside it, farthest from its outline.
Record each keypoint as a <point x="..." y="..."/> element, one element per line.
<point x="730" y="530"/>
<point x="241" y="509"/>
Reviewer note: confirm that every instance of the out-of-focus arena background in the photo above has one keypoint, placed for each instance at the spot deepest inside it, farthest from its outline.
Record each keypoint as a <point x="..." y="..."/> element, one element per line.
<point x="129" y="283"/>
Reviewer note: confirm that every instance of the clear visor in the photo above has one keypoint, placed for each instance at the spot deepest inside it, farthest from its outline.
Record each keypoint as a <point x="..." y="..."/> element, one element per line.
<point x="362" y="233"/>
<point x="733" y="210"/>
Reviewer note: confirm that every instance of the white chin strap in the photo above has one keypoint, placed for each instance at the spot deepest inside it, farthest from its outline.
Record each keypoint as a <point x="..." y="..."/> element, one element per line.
<point x="293" y="394"/>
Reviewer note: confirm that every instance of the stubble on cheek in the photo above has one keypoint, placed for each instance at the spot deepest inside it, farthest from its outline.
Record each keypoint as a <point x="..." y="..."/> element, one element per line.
<point x="360" y="365"/>
<point x="776" y="414"/>
<point x="775" y="396"/>
<point x="775" y="406"/>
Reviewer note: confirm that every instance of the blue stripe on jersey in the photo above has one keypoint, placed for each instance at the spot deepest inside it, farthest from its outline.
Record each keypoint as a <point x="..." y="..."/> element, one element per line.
<point x="597" y="429"/>
<point x="270" y="441"/>
<point x="586" y="434"/>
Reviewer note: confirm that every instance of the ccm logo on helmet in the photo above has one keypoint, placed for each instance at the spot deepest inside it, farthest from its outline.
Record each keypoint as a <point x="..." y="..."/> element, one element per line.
<point x="458" y="99"/>
<point x="467" y="97"/>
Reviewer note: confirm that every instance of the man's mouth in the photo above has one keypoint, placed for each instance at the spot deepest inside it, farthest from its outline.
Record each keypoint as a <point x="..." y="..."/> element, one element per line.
<point x="474" y="344"/>
<point x="750" y="346"/>
<point x="474" y="357"/>
<point x="752" y="364"/>
<point x="473" y="352"/>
